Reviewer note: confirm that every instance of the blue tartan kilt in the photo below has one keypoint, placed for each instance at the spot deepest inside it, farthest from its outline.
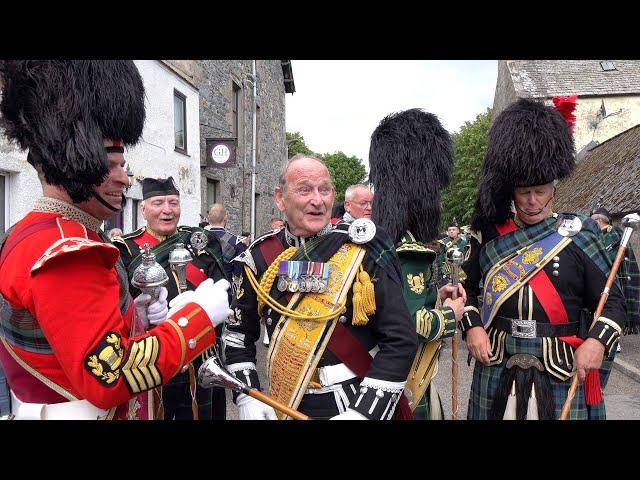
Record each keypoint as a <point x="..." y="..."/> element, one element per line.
<point x="486" y="379"/>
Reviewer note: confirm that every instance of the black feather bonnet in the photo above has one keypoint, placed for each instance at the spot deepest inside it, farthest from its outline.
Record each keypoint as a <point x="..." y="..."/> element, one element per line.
<point x="63" y="110"/>
<point x="528" y="144"/>
<point x="410" y="160"/>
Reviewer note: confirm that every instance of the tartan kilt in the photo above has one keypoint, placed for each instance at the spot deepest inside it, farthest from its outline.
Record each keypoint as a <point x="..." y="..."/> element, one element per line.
<point x="486" y="379"/>
<point x="423" y="409"/>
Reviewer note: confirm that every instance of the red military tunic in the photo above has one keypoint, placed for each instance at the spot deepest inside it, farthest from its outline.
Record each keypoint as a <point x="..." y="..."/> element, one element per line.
<point x="67" y="317"/>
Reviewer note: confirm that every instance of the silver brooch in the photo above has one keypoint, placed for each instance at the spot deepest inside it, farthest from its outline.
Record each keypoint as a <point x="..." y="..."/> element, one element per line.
<point x="199" y="240"/>
<point x="569" y="225"/>
<point x="362" y="230"/>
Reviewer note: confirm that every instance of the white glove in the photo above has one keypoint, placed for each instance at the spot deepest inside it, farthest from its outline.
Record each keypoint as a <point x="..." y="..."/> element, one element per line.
<point x="154" y="313"/>
<point x="212" y="297"/>
<point x="349" y="415"/>
<point x="251" y="409"/>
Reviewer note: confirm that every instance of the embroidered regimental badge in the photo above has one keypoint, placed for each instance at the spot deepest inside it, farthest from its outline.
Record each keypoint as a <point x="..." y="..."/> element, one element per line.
<point x="104" y="361"/>
<point x="531" y="256"/>
<point x="416" y="283"/>
<point x="499" y="283"/>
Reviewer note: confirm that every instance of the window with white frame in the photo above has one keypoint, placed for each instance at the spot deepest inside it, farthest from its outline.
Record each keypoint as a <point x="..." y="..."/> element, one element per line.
<point x="180" y="121"/>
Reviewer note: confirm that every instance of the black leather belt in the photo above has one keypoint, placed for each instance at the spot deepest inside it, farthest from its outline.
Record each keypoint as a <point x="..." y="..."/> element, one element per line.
<point x="532" y="329"/>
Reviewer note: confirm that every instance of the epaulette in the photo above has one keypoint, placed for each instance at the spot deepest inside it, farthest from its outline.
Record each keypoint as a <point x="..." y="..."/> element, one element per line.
<point x="121" y="240"/>
<point x="408" y="244"/>
<point x="415" y="249"/>
<point x="69" y="245"/>
<point x="246" y="257"/>
<point x="262" y="238"/>
<point x="133" y="234"/>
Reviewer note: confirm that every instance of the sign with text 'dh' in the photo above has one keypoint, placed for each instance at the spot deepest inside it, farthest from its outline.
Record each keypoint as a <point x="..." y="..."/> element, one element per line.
<point x="221" y="152"/>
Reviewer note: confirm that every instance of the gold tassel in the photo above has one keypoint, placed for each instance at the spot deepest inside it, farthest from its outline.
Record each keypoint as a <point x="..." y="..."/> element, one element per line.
<point x="368" y="294"/>
<point x="359" y="315"/>
<point x="364" y="300"/>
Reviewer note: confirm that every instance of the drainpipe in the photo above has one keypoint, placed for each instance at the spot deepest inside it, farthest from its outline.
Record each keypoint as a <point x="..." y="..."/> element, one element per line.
<point x="253" y="154"/>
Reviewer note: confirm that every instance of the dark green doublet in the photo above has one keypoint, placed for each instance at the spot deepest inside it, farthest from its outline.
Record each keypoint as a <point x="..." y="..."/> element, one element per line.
<point x="420" y="292"/>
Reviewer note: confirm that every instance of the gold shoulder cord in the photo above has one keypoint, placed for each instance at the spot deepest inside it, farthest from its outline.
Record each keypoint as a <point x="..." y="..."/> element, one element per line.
<point x="263" y="288"/>
<point x="270" y="275"/>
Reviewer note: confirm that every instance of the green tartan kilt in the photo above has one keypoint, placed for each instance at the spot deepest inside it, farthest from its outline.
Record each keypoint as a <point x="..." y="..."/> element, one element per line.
<point x="423" y="409"/>
<point x="486" y="379"/>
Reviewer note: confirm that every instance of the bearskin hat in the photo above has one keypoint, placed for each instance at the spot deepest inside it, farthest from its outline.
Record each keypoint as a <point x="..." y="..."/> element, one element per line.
<point x="528" y="144"/>
<point x="62" y="111"/>
<point x="410" y="160"/>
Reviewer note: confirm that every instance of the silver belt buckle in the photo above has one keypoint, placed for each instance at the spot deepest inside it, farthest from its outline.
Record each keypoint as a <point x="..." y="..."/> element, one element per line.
<point x="523" y="328"/>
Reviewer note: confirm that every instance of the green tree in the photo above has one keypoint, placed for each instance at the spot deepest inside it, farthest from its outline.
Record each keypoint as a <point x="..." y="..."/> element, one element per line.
<point x="470" y="145"/>
<point x="295" y="145"/>
<point x="344" y="171"/>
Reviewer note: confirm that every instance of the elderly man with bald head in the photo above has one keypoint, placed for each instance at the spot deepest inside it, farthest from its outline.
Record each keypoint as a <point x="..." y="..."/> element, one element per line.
<point x="341" y="344"/>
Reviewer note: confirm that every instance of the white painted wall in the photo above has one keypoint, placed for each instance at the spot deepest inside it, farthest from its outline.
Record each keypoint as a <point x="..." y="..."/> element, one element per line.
<point x="23" y="186"/>
<point x="154" y="156"/>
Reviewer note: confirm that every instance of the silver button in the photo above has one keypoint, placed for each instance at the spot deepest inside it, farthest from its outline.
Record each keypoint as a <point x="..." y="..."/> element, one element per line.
<point x="629" y="278"/>
<point x="379" y="393"/>
<point x="269" y="321"/>
<point x="626" y="259"/>
<point x="556" y="265"/>
<point x="342" y="319"/>
<point x="183" y="322"/>
<point x="556" y="259"/>
<point x="192" y="343"/>
<point x="344" y="310"/>
<point x="555" y="273"/>
<point x="363" y="390"/>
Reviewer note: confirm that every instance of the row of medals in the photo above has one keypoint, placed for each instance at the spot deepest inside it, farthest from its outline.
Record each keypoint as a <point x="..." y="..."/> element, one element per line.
<point x="304" y="284"/>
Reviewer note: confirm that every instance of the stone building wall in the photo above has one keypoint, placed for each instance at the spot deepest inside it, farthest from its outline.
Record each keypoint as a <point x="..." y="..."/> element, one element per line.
<point x="214" y="80"/>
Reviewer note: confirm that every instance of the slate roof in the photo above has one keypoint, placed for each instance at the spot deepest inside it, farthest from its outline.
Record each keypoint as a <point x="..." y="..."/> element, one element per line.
<point x="548" y="78"/>
<point x="611" y="169"/>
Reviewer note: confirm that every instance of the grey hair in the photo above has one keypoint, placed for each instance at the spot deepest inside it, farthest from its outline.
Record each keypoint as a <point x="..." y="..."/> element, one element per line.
<point x="600" y="216"/>
<point x="348" y="193"/>
<point x="287" y="164"/>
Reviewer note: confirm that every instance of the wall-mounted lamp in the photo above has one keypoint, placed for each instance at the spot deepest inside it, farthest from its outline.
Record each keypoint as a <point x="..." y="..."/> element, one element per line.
<point x="132" y="177"/>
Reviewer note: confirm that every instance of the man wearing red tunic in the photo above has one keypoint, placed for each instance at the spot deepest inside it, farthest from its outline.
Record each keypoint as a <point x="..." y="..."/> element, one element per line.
<point x="70" y="344"/>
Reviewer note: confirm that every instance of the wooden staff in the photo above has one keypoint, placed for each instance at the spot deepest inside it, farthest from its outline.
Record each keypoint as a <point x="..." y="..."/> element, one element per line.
<point x="213" y="374"/>
<point x="455" y="258"/>
<point x="630" y="223"/>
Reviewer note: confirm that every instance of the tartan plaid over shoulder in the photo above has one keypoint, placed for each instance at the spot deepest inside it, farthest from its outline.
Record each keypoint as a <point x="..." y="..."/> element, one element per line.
<point x="587" y="239"/>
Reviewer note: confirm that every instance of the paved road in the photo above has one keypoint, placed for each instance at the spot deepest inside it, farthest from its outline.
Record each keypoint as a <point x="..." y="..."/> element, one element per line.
<point x="622" y="393"/>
